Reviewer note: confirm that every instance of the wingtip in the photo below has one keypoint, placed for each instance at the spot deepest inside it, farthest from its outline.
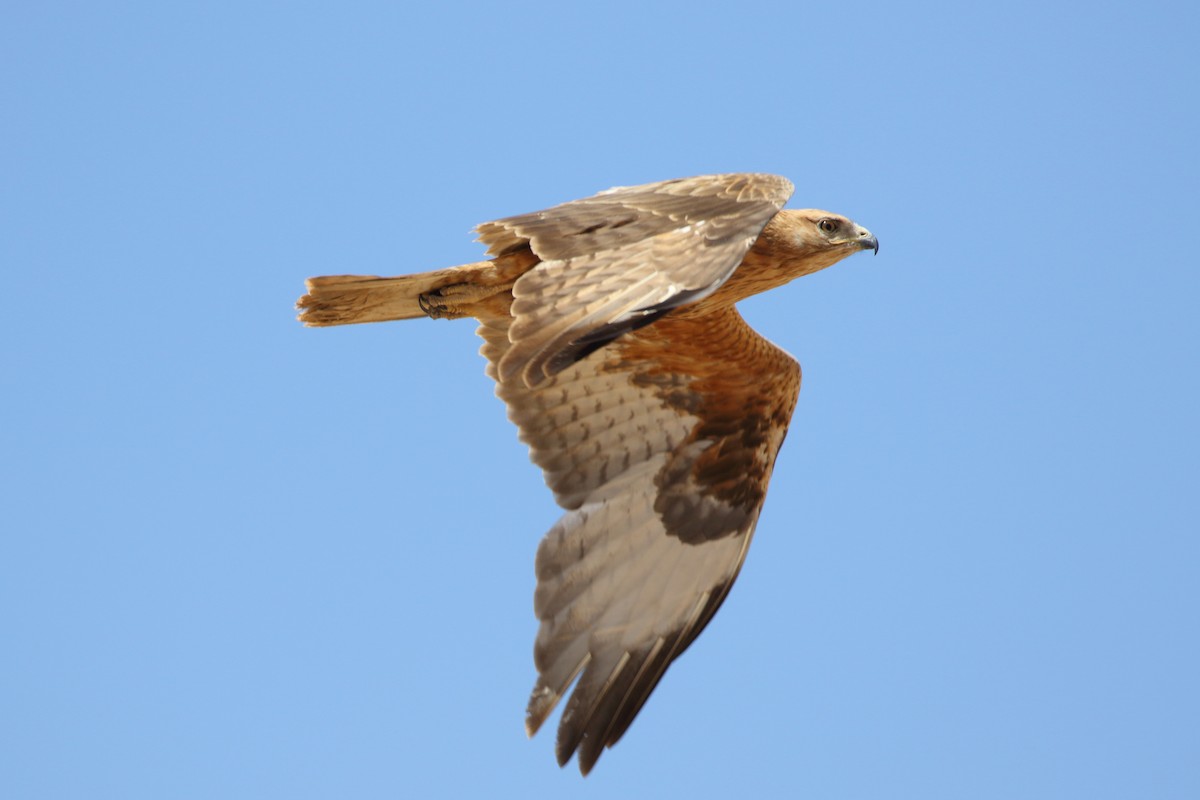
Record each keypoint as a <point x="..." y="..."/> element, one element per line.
<point x="587" y="755"/>
<point x="542" y="701"/>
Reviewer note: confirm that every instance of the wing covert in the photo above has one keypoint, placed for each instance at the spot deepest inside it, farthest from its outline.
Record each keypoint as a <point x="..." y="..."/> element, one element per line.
<point x="617" y="261"/>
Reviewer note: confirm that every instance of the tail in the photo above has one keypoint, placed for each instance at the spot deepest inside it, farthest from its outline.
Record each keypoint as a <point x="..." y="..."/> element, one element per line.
<point x="349" y="299"/>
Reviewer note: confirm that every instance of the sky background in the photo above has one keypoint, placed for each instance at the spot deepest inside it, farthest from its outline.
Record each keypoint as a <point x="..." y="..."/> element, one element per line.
<point x="246" y="559"/>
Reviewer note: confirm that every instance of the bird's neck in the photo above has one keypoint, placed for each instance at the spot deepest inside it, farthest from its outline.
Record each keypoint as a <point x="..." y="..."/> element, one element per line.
<point x="774" y="259"/>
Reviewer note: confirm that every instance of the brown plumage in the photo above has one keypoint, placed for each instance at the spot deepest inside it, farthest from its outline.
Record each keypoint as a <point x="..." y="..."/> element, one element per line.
<point x="654" y="410"/>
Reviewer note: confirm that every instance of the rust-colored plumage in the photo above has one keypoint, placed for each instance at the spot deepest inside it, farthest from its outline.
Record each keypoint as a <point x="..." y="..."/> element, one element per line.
<point x="655" y="412"/>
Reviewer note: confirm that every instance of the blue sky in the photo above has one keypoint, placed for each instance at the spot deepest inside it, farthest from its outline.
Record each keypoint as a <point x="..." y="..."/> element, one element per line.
<point x="247" y="559"/>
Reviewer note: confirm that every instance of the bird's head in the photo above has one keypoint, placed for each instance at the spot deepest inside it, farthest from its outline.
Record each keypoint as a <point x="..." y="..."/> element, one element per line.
<point x="802" y="241"/>
<point x="812" y="231"/>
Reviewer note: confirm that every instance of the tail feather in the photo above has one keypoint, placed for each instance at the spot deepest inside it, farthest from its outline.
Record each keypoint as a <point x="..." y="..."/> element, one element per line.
<point x="350" y="299"/>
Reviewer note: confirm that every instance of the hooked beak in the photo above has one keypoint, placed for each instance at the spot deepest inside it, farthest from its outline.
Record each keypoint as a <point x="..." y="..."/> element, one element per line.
<point x="867" y="241"/>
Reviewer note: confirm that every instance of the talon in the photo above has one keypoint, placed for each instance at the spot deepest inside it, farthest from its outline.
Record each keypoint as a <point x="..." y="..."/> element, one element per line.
<point x="454" y="300"/>
<point x="426" y="303"/>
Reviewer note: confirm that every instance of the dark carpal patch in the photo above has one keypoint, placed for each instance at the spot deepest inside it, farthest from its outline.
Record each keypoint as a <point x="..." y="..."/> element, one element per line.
<point x="713" y="485"/>
<point x="696" y="518"/>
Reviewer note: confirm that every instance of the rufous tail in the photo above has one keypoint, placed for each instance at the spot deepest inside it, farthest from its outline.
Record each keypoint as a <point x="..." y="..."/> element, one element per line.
<point x="349" y="299"/>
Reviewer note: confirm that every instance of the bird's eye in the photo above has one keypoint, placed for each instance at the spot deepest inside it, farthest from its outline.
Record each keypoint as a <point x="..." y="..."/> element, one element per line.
<point x="827" y="225"/>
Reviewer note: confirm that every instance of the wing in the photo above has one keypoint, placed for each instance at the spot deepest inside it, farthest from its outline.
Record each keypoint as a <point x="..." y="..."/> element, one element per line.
<point x="660" y="447"/>
<point x="619" y="260"/>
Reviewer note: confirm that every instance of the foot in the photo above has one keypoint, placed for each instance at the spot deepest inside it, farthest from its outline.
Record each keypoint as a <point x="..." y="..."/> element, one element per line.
<point x="451" y="302"/>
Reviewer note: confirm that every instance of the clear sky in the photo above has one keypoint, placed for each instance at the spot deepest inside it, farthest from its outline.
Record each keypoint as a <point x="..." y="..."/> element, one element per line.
<point x="246" y="559"/>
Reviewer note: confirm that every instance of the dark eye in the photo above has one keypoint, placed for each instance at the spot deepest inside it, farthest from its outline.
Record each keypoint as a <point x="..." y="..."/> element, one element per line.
<point x="827" y="225"/>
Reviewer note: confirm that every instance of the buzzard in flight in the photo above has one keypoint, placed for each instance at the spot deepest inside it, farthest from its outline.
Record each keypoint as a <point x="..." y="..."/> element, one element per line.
<point x="654" y="410"/>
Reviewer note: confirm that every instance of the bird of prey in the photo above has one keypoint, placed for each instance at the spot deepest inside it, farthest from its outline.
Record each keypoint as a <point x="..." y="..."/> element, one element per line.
<point x="654" y="410"/>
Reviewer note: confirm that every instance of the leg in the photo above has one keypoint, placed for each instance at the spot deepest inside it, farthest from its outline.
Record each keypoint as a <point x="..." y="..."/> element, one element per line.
<point x="452" y="302"/>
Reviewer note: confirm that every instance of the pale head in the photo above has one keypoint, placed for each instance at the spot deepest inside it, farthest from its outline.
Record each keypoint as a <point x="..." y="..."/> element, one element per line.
<point x="795" y="242"/>
<point x="821" y="238"/>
